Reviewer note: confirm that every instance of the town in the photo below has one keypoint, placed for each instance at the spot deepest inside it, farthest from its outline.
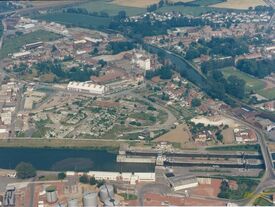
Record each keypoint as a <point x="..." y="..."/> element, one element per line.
<point x="108" y="103"/>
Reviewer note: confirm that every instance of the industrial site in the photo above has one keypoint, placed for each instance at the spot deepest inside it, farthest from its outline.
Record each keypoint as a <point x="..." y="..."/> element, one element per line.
<point x="137" y="103"/>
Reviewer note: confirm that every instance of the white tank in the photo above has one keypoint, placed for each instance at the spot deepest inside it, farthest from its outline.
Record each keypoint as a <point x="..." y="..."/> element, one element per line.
<point x="90" y="199"/>
<point x="51" y="195"/>
<point x="73" y="203"/>
<point x="106" y="192"/>
<point x="111" y="202"/>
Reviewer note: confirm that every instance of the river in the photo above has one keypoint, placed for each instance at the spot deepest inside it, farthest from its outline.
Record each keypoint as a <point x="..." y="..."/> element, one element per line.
<point x="67" y="159"/>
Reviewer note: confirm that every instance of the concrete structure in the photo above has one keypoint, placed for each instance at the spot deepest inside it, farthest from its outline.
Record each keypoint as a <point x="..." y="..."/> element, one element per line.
<point x="181" y="182"/>
<point x="21" y="54"/>
<point x="106" y="192"/>
<point x="51" y="195"/>
<point x="86" y="87"/>
<point x="144" y="63"/>
<point x="90" y="199"/>
<point x="73" y="203"/>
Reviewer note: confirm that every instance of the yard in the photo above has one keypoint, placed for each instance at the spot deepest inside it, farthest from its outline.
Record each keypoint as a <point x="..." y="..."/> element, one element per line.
<point x="268" y="93"/>
<point x="13" y="44"/>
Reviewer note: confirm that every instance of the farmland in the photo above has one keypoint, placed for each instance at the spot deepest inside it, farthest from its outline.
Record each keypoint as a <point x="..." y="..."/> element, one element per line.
<point x="138" y="4"/>
<point x="207" y="2"/>
<point x="237" y="4"/>
<point x="112" y="8"/>
<point x="71" y="19"/>
<point x="13" y="44"/>
<point x="252" y="83"/>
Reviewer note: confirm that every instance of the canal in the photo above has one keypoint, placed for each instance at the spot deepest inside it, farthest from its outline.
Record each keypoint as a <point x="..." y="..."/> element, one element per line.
<point x="68" y="159"/>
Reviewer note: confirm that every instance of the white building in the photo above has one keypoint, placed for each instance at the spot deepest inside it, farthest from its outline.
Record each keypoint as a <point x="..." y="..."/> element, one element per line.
<point x="132" y="178"/>
<point x="86" y="87"/>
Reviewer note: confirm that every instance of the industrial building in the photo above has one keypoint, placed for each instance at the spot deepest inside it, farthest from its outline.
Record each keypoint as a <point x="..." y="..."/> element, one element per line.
<point x="86" y="87"/>
<point x="183" y="182"/>
<point x="132" y="178"/>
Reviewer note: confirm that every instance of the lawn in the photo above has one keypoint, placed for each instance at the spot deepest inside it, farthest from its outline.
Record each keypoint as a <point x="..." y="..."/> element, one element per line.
<point x="13" y="44"/>
<point x="112" y="8"/>
<point x="71" y="19"/>
<point x="268" y="93"/>
<point x="235" y="148"/>
<point x="252" y="83"/>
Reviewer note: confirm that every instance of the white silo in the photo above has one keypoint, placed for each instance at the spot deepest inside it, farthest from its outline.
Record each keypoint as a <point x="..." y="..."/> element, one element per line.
<point x="73" y="203"/>
<point x="90" y="199"/>
<point x="106" y="192"/>
<point x="51" y="195"/>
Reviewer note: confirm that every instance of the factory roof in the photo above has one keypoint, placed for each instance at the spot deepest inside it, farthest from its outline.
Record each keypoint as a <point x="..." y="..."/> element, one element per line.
<point x="182" y="180"/>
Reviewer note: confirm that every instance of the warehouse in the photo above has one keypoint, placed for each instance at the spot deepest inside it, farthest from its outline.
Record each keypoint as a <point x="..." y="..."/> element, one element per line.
<point x="181" y="183"/>
<point x="86" y="87"/>
<point x="132" y="178"/>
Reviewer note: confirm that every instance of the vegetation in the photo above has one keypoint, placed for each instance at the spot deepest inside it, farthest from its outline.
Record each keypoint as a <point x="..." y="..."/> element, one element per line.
<point x="84" y="179"/>
<point x="25" y="170"/>
<point x="236" y="148"/>
<point x="12" y="44"/>
<point x="72" y="19"/>
<point x="61" y="176"/>
<point x="128" y="196"/>
<point x="252" y="83"/>
<point x="245" y="186"/>
<point x="117" y="47"/>
<point x="195" y="102"/>
<point x="257" y="68"/>
<point x="165" y="73"/>
<point x="262" y="202"/>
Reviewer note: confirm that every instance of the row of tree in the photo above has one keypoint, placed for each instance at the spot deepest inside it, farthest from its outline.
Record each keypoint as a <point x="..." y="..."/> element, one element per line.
<point x="258" y="68"/>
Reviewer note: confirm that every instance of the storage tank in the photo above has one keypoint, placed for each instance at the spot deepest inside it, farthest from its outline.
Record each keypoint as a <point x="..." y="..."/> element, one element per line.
<point x="90" y="199"/>
<point x="73" y="203"/>
<point x="111" y="202"/>
<point x="106" y="192"/>
<point x="51" y="195"/>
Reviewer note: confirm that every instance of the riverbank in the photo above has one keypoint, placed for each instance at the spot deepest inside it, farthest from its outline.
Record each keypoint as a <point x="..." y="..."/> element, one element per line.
<point x="109" y="145"/>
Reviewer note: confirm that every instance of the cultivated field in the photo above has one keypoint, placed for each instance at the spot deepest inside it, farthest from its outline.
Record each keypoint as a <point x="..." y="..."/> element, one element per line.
<point x="184" y="1"/>
<point x="136" y="3"/>
<point x="252" y="83"/>
<point x="239" y="4"/>
<point x="112" y="8"/>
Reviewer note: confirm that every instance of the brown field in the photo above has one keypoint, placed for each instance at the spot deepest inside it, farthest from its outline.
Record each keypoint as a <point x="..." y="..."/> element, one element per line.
<point x="228" y="136"/>
<point x="135" y="3"/>
<point x="179" y="135"/>
<point x="239" y="4"/>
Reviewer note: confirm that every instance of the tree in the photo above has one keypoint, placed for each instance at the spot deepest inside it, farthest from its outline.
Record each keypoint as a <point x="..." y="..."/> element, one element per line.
<point x="235" y="87"/>
<point x="25" y="170"/>
<point x="84" y="179"/>
<point x="92" y="181"/>
<point x="122" y="15"/>
<point x="195" y="102"/>
<point x="61" y="176"/>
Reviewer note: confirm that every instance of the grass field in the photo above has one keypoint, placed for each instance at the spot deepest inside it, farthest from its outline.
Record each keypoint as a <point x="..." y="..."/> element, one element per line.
<point x="71" y="19"/>
<point x="133" y="3"/>
<point x="252" y="83"/>
<point x="13" y="44"/>
<point x="112" y="8"/>
<point x="267" y="93"/>
<point x="207" y="2"/>
<point x="239" y="4"/>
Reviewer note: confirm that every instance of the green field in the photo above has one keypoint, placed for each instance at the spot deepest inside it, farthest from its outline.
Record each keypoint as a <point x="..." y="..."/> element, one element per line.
<point x="252" y="83"/>
<point x="267" y="93"/>
<point x="79" y="20"/>
<point x="111" y="9"/>
<point x="206" y="2"/>
<point x="13" y="44"/>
